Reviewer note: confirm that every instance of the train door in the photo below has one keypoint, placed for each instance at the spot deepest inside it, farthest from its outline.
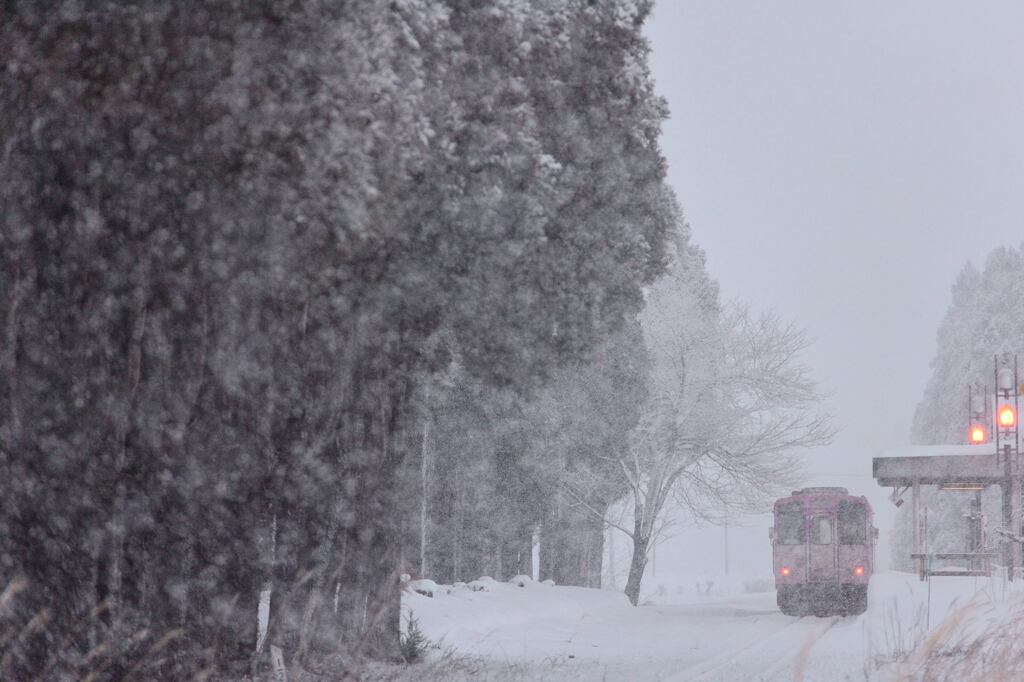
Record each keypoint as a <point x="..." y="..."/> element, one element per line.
<point x="821" y="550"/>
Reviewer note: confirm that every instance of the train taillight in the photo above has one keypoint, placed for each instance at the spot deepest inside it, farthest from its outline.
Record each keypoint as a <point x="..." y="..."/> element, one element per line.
<point x="784" y="571"/>
<point x="858" y="570"/>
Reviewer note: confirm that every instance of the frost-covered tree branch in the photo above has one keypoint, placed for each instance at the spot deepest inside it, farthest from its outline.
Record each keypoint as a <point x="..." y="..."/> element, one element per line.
<point x="728" y="407"/>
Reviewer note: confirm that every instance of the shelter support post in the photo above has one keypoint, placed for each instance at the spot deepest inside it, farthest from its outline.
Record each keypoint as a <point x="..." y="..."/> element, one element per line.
<point x="1014" y="526"/>
<point x="916" y="520"/>
<point x="1011" y="522"/>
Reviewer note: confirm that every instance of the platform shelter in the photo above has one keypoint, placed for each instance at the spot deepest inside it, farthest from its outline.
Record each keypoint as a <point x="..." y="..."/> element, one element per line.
<point x="955" y="467"/>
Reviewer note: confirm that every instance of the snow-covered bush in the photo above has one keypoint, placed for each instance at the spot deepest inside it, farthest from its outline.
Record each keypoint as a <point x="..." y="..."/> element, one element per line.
<point x="483" y="584"/>
<point x="428" y="588"/>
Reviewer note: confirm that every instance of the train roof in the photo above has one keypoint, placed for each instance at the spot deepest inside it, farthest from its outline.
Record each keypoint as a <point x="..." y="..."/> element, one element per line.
<point x="821" y="489"/>
<point x="819" y="494"/>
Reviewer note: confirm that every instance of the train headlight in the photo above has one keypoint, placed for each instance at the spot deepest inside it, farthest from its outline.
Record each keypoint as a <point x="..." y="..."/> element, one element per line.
<point x="784" y="571"/>
<point x="858" y="570"/>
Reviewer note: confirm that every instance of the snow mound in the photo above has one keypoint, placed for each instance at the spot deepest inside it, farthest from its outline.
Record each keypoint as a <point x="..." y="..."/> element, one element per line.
<point x="428" y="588"/>
<point x="483" y="584"/>
<point x="549" y="582"/>
<point x="521" y="580"/>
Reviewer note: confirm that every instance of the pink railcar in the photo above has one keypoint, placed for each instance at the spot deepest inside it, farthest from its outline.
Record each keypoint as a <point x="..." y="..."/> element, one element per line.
<point x="823" y="546"/>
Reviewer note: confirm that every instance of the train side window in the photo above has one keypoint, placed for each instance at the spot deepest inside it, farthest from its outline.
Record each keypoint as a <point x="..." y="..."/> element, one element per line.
<point x="853" y="523"/>
<point x="821" y="530"/>
<point x="789" y="524"/>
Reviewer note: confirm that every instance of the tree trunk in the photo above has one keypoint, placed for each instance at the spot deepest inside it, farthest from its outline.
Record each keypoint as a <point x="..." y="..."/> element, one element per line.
<point x="517" y="555"/>
<point x="23" y="282"/>
<point x="595" y="553"/>
<point x="370" y="594"/>
<point x="365" y="552"/>
<point x="459" y="518"/>
<point x="573" y="547"/>
<point x="636" y="569"/>
<point x="424" y="493"/>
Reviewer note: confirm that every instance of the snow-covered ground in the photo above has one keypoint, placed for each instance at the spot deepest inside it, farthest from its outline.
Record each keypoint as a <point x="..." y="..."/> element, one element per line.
<point x="595" y="634"/>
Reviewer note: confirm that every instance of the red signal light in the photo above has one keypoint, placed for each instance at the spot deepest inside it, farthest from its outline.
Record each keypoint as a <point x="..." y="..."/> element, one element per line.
<point x="859" y="570"/>
<point x="784" y="570"/>
<point x="1007" y="417"/>
<point x="978" y="434"/>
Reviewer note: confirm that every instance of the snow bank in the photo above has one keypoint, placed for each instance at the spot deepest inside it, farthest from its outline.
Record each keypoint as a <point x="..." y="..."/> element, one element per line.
<point x="950" y="629"/>
<point x="506" y="621"/>
<point x="692" y="588"/>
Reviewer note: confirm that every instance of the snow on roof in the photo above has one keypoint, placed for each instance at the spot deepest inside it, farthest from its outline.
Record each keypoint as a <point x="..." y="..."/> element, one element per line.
<point x="938" y="465"/>
<point x="936" y="450"/>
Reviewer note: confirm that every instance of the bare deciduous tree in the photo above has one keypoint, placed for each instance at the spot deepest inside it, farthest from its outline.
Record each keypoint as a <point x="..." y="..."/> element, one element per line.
<point x="729" y="404"/>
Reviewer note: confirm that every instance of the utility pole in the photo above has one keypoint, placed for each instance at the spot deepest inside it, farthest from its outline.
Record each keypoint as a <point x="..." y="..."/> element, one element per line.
<point x="726" y="546"/>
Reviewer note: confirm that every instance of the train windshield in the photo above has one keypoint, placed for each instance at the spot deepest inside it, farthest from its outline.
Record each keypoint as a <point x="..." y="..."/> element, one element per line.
<point x="853" y="523"/>
<point x="821" y="529"/>
<point x="789" y="524"/>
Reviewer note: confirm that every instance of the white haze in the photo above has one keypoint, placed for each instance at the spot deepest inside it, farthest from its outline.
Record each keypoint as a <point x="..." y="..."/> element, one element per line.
<point x="840" y="162"/>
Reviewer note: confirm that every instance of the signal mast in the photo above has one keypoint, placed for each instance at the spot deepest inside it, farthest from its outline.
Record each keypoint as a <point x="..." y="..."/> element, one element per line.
<point x="1007" y="437"/>
<point x="979" y="419"/>
<point x="977" y="414"/>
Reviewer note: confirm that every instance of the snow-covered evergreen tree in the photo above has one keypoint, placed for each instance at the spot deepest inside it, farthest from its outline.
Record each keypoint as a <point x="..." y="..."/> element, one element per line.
<point x="985" y="318"/>
<point x="237" y="242"/>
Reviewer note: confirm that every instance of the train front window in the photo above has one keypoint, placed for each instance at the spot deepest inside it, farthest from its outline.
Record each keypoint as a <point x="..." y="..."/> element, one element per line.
<point x="789" y="524"/>
<point x="821" y="530"/>
<point x="853" y="523"/>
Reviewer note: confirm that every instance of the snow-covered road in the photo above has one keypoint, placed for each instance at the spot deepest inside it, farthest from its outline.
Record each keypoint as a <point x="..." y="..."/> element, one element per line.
<point x="593" y="634"/>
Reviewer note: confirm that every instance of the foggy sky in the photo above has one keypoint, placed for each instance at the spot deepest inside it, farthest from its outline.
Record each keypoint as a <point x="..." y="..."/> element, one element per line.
<point x="840" y="162"/>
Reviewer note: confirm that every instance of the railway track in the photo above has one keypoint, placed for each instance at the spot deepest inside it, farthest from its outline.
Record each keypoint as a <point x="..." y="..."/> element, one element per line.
<point x="766" y="658"/>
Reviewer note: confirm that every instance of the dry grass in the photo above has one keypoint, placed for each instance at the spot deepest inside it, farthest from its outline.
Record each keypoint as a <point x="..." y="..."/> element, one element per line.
<point x="975" y="642"/>
<point x="901" y="634"/>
